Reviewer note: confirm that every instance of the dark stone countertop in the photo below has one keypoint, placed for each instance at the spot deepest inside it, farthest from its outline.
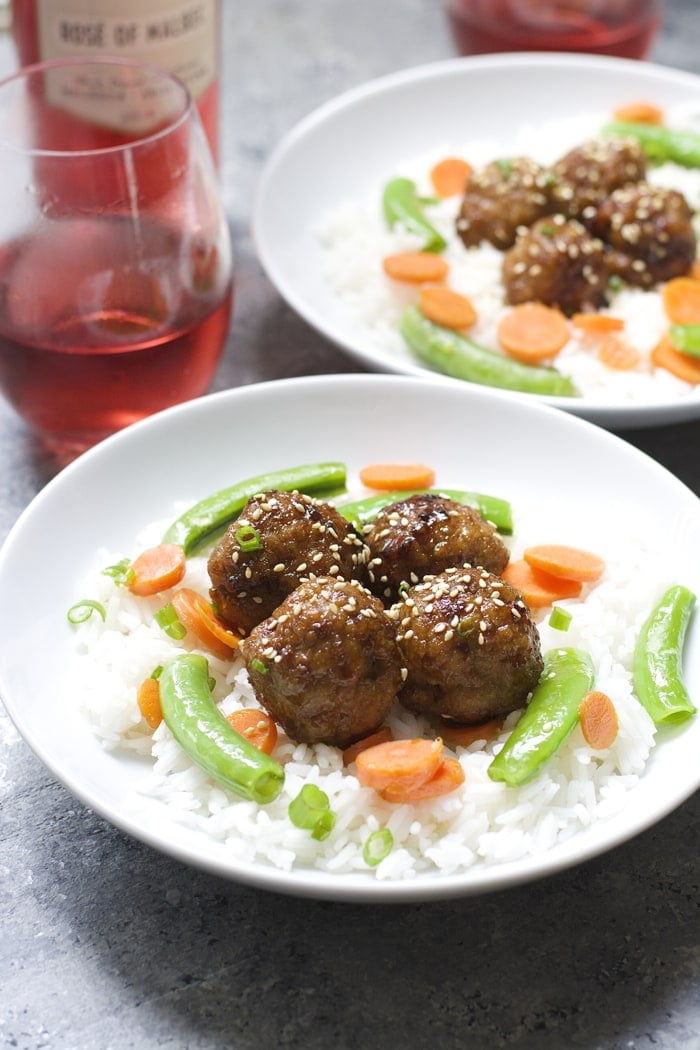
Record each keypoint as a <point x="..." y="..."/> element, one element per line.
<point x="109" y="945"/>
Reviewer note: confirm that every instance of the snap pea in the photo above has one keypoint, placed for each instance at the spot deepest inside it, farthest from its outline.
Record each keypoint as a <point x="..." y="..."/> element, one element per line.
<point x="658" y="658"/>
<point x="210" y="741"/>
<point x="454" y="355"/>
<point x="548" y="719"/>
<point x="660" y="143"/>
<point x="402" y="205"/>
<point x="492" y="508"/>
<point x="211" y="515"/>
<point x="686" y="338"/>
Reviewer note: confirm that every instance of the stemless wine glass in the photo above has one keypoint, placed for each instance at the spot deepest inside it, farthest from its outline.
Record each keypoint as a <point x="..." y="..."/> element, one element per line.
<point x="115" y="257"/>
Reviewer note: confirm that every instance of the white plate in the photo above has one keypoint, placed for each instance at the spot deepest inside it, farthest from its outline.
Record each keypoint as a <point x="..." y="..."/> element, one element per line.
<point x="473" y="436"/>
<point x="349" y="147"/>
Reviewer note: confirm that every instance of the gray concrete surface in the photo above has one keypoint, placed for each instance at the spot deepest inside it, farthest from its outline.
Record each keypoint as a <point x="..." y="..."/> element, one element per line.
<point x="108" y="945"/>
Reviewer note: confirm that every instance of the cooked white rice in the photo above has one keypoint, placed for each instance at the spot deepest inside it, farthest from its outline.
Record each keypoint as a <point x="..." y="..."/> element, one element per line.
<point x="482" y="822"/>
<point x="354" y="239"/>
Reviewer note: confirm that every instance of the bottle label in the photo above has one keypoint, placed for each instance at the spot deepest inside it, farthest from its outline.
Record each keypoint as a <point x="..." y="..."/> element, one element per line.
<point x="178" y="36"/>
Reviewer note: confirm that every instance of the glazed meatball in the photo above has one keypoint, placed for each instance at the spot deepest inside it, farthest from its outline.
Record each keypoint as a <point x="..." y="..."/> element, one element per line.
<point x="326" y="664"/>
<point x="589" y="173"/>
<point x="501" y="197"/>
<point x="425" y="534"/>
<point x="279" y="539"/>
<point x="471" y="648"/>
<point x="649" y="231"/>
<point x="559" y="263"/>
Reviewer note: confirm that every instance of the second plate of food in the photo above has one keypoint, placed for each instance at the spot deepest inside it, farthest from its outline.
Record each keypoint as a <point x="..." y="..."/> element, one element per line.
<point x="603" y="235"/>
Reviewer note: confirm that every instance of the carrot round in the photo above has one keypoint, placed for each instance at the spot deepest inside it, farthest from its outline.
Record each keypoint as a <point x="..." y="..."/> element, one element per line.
<point x="681" y="299"/>
<point x="148" y="699"/>
<point x="533" y="332"/>
<point x="399" y="763"/>
<point x="446" y="307"/>
<point x="455" y="735"/>
<point x="157" y="569"/>
<point x="682" y="366"/>
<point x="539" y="589"/>
<point x="597" y="324"/>
<point x="449" y="775"/>
<point x="381" y="736"/>
<point x="198" y="616"/>
<point x="450" y="176"/>
<point x="568" y="563"/>
<point x="402" y="476"/>
<point x="415" y="267"/>
<point x="639" y="113"/>
<point x="598" y="719"/>
<point x="615" y="352"/>
<point x="256" y="726"/>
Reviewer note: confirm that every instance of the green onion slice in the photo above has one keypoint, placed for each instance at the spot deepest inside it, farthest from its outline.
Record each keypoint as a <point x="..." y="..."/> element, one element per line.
<point x="377" y="846"/>
<point x="167" y="619"/>
<point x="82" y="611"/>
<point x="559" y="618"/>
<point x="121" y="572"/>
<point x="311" y="810"/>
<point x="686" y="338"/>
<point x="248" y="538"/>
<point x="258" y="665"/>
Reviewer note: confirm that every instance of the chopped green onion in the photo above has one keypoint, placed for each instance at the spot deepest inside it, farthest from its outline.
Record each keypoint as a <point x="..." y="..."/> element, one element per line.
<point x="505" y="167"/>
<point x="403" y="589"/>
<point x="82" y="611"/>
<point x="248" y="538"/>
<point x="559" y="618"/>
<point x="377" y="846"/>
<point x="121" y="572"/>
<point x="686" y="338"/>
<point x="259" y="666"/>
<point x="166" y="618"/>
<point x="311" y="810"/>
<point x="465" y="626"/>
<point x="547" y="229"/>
<point x="615" y="283"/>
<point x="157" y="672"/>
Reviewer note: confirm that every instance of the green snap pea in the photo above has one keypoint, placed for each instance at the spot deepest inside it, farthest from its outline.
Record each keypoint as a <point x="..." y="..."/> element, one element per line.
<point x="402" y="205"/>
<point x="492" y="508"/>
<point x="548" y="719"/>
<point x="686" y="338"/>
<point x="208" y="517"/>
<point x="660" y="143"/>
<point x="658" y="659"/>
<point x="205" y="735"/>
<point x="454" y="355"/>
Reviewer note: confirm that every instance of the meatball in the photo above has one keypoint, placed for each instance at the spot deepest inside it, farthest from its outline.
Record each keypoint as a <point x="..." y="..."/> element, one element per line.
<point x="649" y="231"/>
<point x="471" y="648"/>
<point x="326" y="665"/>
<point x="425" y="534"/>
<point x="559" y="263"/>
<point x="279" y="539"/>
<point x="589" y="173"/>
<point x="501" y="197"/>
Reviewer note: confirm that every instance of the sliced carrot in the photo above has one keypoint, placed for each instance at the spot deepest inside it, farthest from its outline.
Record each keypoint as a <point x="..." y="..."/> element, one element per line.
<point x="695" y="270"/>
<point x="455" y="735"/>
<point x="415" y="267"/>
<point x="681" y="299"/>
<point x="568" y="563"/>
<point x="597" y="324"/>
<point x="598" y="719"/>
<point x="148" y="699"/>
<point x="639" y="113"/>
<point x="388" y="476"/>
<point x="450" y="176"/>
<point x="198" y="616"/>
<point x="381" y="736"/>
<point x="449" y="775"/>
<point x="406" y="763"/>
<point x="256" y="726"/>
<point x="533" y="332"/>
<point x="682" y="366"/>
<point x="615" y="352"/>
<point x="446" y="307"/>
<point x="538" y="589"/>
<point x="157" y="569"/>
